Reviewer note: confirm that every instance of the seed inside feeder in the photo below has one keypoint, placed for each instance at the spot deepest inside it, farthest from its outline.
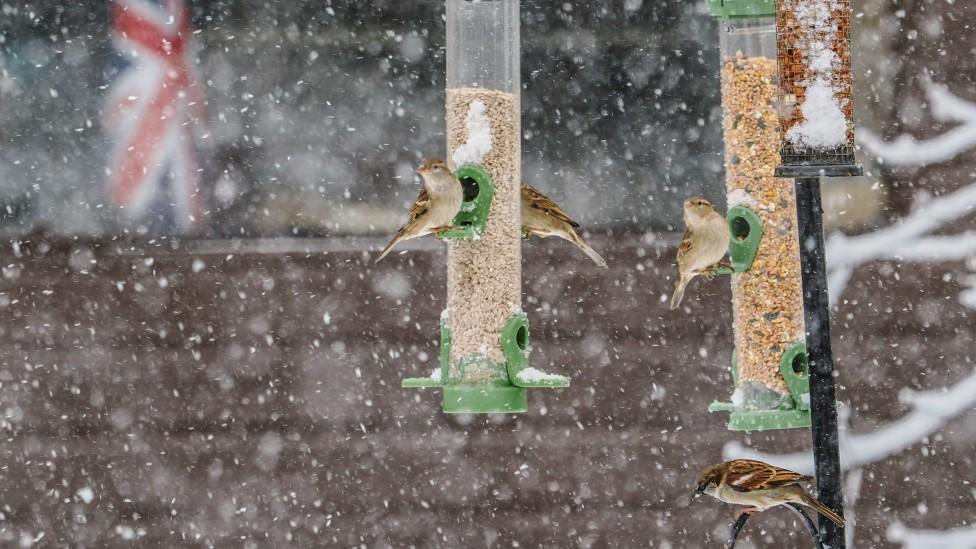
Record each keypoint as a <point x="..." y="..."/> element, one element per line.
<point x="767" y="299"/>
<point x="484" y="275"/>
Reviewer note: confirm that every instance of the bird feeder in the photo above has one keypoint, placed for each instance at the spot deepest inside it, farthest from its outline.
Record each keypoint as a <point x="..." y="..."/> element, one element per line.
<point x="484" y="333"/>
<point x="769" y="367"/>
<point x="817" y="119"/>
<point x="817" y="110"/>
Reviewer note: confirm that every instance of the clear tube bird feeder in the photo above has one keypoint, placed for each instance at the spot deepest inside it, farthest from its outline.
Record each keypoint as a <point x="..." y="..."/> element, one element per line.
<point x="484" y="334"/>
<point x="769" y="363"/>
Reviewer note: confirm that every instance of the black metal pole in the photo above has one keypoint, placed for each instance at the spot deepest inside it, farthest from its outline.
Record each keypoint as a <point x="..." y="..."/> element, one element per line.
<point x="816" y="314"/>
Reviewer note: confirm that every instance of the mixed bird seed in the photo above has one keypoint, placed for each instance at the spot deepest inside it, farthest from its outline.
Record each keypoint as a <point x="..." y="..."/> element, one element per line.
<point x="484" y="275"/>
<point x="767" y="299"/>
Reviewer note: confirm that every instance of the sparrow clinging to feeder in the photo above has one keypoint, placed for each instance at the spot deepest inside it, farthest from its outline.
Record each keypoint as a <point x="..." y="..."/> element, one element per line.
<point x="439" y="201"/>
<point x="759" y="486"/>
<point x="543" y="217"/>
<point x="704" y="244"/>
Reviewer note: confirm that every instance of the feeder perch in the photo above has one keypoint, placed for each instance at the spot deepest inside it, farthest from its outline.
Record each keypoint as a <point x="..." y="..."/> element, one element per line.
<point x="478" y="191"/>
<point x="439" y="376"/>
<point x="484" y="335"/>
<point x="807" y="521"/>
<point x="515" y="345"/>
<point x="756" y="408"/>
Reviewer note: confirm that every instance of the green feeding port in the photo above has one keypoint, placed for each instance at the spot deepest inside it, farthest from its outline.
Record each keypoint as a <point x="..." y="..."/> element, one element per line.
<point x="478" y="191"/>
<point x="741" y="9"/>
<point x="767" y="410"/>
<point x="745" y="234"/>
<point x="506" y="394"/>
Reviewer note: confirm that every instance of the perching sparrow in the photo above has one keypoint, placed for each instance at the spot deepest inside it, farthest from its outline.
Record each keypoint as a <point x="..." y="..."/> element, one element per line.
<point x="435" y="208"/>
<point x="760" y="486"/>
<point x="543" y="217"/>
<point x="704" y="244"/>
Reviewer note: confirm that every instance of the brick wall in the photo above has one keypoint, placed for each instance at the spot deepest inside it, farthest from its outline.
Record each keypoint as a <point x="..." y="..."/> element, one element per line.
<point x="247" y="394"/>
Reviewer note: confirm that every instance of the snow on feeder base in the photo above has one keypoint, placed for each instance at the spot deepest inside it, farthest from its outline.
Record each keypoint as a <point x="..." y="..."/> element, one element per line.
<point x="484" y="334"/>
<point x="764" y="247"/>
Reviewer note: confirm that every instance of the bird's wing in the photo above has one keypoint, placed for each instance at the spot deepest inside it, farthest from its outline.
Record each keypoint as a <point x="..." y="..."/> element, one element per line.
<point x="543" y="203"/>
<point x="685" y="245"/>
<point x="419" y="208"/>
<point x="746" y="475"/>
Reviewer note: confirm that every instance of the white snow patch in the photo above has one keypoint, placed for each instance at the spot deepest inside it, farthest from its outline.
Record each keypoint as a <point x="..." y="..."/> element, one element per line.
<point x="478" y="145"/>
<point x="738" y="400"/>
<point x="532" y="375"/>
<point x="86" y="494"/>
<point x="958" y="538"/>
<point x="436" y="374"/>
<point x="905" y="150"/>
<point x="740" y="197"/>
<point x="824" y="125"/>
<point x="968" y="296"/>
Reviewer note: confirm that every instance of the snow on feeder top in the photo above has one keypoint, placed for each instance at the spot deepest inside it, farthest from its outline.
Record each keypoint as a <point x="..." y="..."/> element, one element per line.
<point x="817" y="107"/>
<point x="767" y="300"/>
<point x="484" y="333"/>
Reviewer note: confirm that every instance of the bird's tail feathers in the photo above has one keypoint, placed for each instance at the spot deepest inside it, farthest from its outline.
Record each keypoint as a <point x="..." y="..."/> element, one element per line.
<point x="396" y="240"/>
<point x="679" y="293"/>
<point x="588" y="250"/>
<point x="824" y="510"/>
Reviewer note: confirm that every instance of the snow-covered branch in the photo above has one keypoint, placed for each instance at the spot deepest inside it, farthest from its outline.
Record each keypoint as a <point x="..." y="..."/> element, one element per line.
<point x="906" y="240"/>
<point x="959" y="538"/>
<point x="906" y="151"/>
<point x="931" y="411"/>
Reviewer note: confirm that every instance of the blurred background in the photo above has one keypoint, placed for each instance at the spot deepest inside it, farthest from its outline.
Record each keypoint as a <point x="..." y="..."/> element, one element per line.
<point x="317" y="112"/>
<point x="220" y="367"/>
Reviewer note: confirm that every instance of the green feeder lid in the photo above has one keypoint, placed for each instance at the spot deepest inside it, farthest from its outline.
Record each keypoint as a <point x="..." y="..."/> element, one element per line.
<point x="736" y="9"/>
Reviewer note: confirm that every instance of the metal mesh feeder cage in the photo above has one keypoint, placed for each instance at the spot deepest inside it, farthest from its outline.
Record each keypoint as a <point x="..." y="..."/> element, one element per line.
<point x="484" y="334"/>
<point x="768" y="368"/>
<point x="814" y="63"/>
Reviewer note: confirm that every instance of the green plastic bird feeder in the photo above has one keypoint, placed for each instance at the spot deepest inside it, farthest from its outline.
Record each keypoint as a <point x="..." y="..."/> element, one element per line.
<point x="485" y="344"/>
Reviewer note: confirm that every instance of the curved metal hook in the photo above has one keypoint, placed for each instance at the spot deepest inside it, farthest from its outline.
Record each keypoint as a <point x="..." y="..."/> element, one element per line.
<point x="811" y="526"/>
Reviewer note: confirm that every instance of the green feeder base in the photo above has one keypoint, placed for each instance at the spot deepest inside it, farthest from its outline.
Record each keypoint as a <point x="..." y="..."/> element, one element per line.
<point x="484" y="399"/>
<point x="791" y="412"/>
<point x="762" y="420"/>
<point x="503" y="396"/>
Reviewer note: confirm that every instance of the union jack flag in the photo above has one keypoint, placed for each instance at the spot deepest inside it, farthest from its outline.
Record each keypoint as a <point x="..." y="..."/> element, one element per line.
<point x="152" y="108"/>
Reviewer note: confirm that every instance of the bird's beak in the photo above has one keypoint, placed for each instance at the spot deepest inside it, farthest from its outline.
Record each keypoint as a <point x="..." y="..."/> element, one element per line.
<point x="700" y="490"/>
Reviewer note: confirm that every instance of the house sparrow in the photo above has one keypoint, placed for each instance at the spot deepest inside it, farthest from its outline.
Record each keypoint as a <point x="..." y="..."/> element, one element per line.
<point x="704" y="244"/>
<point x="543" y="217"/>
<point x="760" y="486"/>
<point x="435" y="208"/>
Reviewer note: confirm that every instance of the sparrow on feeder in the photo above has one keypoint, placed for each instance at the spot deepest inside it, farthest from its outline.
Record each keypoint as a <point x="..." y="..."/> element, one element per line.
<point x="760" y="486"/>
<point x="543" y="217"/>
<point x="439" y="201"/>
<point x="705" y="243"/>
